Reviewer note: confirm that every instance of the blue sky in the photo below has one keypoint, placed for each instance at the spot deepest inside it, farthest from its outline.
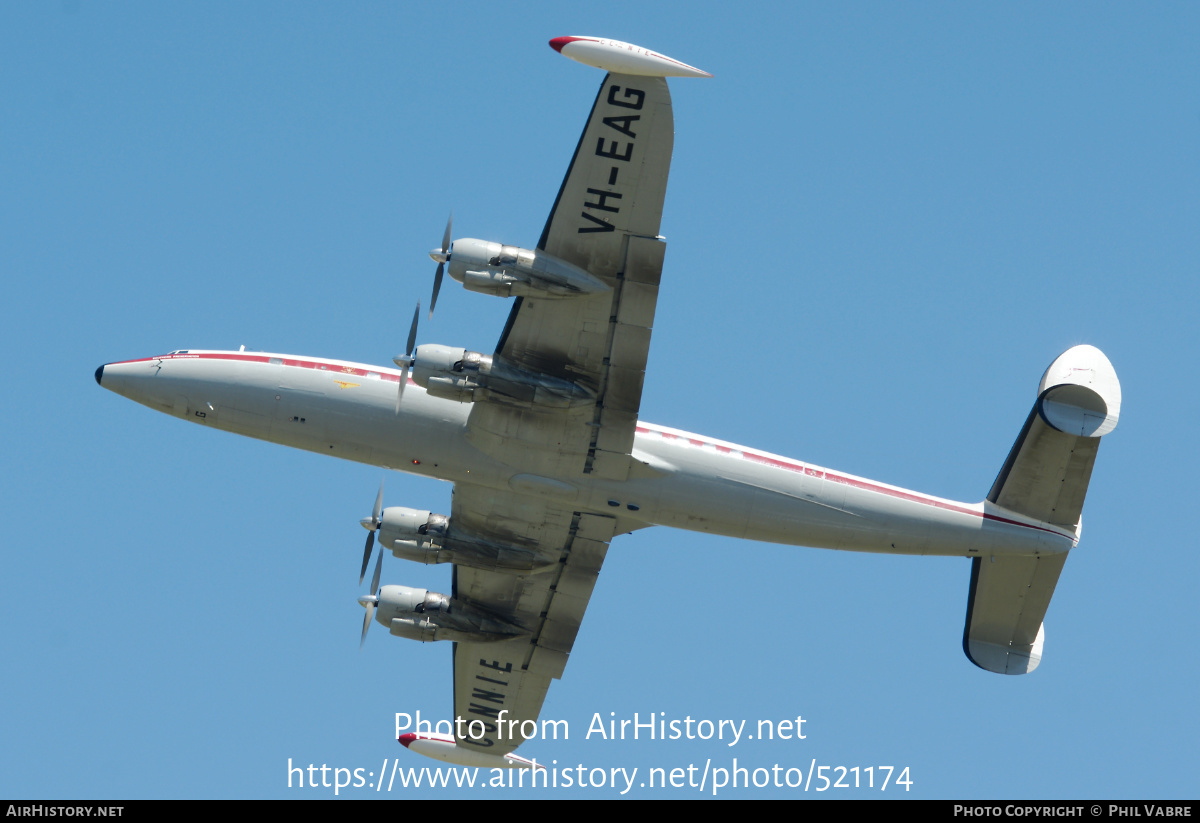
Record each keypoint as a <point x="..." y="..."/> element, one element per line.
<point x="883" y="223"/>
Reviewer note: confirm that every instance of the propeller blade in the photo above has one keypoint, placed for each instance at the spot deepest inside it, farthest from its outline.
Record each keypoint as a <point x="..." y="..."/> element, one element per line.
<point x="406" y="361"/>
<point x="373" y="600"/>
<point x="437" y="286"/>
<point x="366" y="556"/>
<point x="375" y="512"/>
<point x="437" y="277"/>
<point x="371" y="526"/>
<point x="412" y="331"/>
<point x="367" y="623"/>
<point x="375" y="577"/>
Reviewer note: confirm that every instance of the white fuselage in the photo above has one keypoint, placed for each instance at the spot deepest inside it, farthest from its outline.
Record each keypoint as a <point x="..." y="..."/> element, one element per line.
<point x="348" y="410"/>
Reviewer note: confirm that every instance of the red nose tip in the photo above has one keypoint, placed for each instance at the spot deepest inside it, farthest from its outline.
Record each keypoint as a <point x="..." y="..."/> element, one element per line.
<point x="405" y="739"/>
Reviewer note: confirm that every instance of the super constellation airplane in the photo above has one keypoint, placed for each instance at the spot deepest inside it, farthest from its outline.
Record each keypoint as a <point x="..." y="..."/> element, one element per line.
<point x="549" y="460"/>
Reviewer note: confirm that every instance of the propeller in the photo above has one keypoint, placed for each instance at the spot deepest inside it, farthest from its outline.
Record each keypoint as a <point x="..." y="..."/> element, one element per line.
<point x="371" y="600"/>
<point x="405" y="361"/>
<point x="372" y="526"/>
<point x="442" y="256"/>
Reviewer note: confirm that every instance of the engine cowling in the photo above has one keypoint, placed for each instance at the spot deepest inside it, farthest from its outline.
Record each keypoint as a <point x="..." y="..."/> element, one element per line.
<point x="417" y="528"/>
<point x="468" y="376"/>
<point x="506" y="271"/>
<point x="425" y="537"/>
<point x="419" y="614"/>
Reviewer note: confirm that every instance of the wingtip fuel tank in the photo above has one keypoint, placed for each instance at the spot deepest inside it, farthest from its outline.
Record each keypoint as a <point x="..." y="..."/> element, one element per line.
<point x="442" y="747"/>
<point x="622" y="58"/>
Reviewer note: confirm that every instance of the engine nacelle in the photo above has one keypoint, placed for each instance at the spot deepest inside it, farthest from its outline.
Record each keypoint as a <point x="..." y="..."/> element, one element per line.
<point x="419" y="614"/>
<point x="468" y="376"/>
<point x="415" y="527"/>
<point x="506" y="271"/>
<point x="444" y="371"/>
<point x="424" y="537"/>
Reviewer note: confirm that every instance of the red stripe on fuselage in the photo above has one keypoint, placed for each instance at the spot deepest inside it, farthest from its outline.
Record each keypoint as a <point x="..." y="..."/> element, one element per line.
<point x="858" y="483"/>
<point x="294" y="362"/>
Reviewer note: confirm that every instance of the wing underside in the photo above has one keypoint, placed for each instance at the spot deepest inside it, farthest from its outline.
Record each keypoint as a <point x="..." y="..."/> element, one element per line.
<point x="605" y="220"/>
<point x="513" y="675"/>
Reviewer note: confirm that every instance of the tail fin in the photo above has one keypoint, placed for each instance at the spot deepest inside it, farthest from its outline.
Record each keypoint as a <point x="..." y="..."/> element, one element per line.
<point x="1045" y="477"/>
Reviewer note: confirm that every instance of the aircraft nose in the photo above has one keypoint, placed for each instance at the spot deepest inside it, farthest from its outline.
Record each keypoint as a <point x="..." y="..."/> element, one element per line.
<point x="99" y="374"/>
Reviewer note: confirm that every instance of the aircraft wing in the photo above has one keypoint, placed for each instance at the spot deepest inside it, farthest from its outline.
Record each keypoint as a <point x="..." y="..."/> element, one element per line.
<point x="513" y="675"/>
<point x="605" y="220"/>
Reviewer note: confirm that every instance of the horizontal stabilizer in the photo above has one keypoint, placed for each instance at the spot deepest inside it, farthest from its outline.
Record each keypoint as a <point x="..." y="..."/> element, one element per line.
<point x="1009" y="597"/>
<point x="1045" y="477"/>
